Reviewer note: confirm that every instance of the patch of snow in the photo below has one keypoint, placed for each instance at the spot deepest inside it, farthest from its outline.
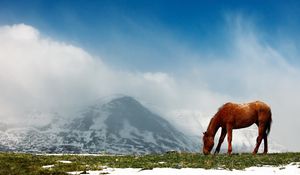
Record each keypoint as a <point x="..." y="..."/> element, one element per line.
<point x="47" y="166"/>
<point x="99" y="122"/>
<point x="161" y="162"/>
<point x="128" y="131"/>
<point x="290" y="169"/>
<point x="64" y="161"/>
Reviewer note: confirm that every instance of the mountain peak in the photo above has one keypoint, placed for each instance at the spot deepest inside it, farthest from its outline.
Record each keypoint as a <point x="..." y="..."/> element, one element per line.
<point x="109" y="98"/>
<point x="121" y="124"/>
<point x="124" y="98"/>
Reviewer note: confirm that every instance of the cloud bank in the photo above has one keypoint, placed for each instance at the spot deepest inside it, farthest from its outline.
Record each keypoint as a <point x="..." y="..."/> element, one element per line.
<point x="43" y="74"/>
<point x="39" y="73"/>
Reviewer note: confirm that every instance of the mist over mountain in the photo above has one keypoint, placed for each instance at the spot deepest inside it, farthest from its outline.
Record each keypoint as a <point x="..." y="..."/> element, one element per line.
<point x="119" y="125"/>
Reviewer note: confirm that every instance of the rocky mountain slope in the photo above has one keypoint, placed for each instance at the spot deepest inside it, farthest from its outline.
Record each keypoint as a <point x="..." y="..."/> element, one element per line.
<point x="119" y="125"/>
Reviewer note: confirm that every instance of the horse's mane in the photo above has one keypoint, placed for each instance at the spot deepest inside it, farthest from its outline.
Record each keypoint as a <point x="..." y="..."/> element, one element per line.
<point x="210" y="122"/>
<point x="218" y="113"/>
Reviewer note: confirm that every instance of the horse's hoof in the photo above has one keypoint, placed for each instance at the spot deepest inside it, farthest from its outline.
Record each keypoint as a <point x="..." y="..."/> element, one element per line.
<point x="215" y="154"/>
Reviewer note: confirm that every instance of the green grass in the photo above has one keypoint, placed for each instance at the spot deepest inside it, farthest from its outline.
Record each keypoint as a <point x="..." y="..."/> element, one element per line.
<point x="20" y="163"/>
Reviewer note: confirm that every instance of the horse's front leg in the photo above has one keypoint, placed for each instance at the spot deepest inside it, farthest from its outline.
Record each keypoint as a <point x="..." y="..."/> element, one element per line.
<point x="221" y="139"/>
<point x="229" y="139"/>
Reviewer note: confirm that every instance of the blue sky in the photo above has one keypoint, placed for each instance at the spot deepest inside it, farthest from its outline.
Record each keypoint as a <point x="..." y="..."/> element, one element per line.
<point x="123" y="31"/>
<point x="184" y="58"/>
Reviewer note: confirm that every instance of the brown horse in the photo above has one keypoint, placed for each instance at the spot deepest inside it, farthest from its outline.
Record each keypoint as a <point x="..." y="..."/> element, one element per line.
<point x="234" y="116"/>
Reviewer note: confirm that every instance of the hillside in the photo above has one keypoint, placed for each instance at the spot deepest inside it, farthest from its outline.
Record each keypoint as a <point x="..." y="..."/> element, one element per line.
<point x="12" y="163"/>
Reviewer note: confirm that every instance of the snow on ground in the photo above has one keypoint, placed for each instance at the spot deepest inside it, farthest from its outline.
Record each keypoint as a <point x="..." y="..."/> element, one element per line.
<point x="48" y="166"/>
<point x="291" y="169"/>
<point x="65" y="161"/>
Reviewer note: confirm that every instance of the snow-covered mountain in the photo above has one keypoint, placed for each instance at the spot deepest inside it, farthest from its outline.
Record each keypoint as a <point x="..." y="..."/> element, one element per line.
<point x="119" y="125"/>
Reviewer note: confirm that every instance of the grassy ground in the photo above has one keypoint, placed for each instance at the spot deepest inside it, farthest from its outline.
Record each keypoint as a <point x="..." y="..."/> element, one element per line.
<point x="19" y="163"/>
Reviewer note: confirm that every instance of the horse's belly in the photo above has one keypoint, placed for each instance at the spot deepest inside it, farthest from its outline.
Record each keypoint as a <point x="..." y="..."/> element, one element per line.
<point x="243" y="123"/>
<point x="242" y="126"/>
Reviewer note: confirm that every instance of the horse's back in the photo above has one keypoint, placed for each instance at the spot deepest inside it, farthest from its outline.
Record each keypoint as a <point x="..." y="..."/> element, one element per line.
<point x="245" y="114"/>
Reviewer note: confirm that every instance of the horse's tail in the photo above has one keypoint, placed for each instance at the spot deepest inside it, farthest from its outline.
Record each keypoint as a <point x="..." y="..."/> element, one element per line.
<point x="268" y="126"/>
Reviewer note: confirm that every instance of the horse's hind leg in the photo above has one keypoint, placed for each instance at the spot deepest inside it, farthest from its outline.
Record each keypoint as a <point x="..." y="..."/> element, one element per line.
<point x="265" y="143"/>
<point x="223" y="134"/>
<point x="261" y="133"/>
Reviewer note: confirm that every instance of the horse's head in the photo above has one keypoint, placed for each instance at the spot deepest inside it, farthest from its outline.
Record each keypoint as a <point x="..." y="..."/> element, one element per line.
<point x="208" y="143"/>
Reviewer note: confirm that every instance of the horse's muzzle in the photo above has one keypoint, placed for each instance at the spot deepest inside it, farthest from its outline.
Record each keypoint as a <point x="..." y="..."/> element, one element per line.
<point x="205" y="152"/>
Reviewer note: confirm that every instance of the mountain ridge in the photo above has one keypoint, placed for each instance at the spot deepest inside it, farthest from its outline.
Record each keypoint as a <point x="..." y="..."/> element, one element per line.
<point x="120" y="125"/>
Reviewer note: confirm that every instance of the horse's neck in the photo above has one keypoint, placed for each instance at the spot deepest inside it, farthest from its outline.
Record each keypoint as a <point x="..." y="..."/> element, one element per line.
<point x="213" y="126"/>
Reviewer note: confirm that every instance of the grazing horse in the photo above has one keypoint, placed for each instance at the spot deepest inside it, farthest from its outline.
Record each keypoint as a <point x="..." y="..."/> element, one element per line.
<point x="235" y="116"/>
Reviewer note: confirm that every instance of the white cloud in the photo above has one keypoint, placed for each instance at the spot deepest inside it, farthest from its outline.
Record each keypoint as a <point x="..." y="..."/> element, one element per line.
<point x="38" y="72"/>
<point x="157" y="77"/>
